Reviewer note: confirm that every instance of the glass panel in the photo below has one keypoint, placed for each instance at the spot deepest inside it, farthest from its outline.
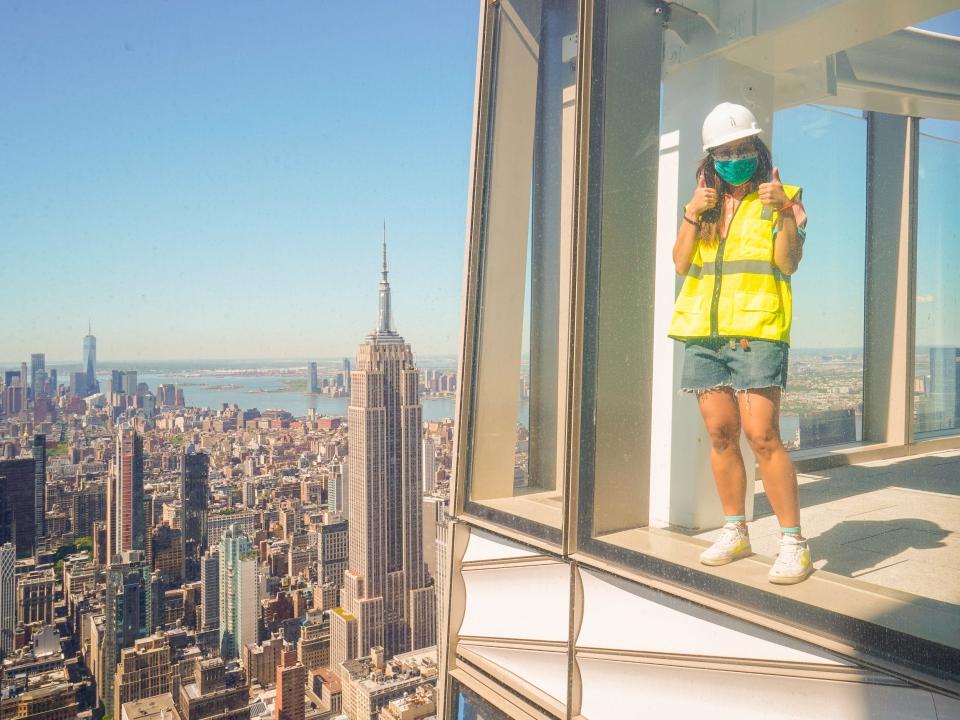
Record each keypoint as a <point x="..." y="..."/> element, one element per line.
<point x="882" y="535"/>
<point x="823" y="150"/>
<point x="936" y="385"/>
<point x="621" y="247"/>
<point x="467" y="705"/>
<point x="525" y="241"/>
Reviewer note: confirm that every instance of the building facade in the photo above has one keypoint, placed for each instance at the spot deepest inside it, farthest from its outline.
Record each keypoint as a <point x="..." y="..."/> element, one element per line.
<point x="39" y="452"/>
<point x="385" y="585"/>
<point x="8" y="606"/>
<point x="125" y="502"/>
<point x="17" y="509"/>
<point x="239" y="593"/>
<point x="90" y="365"/>
<point x="130" y="612"/>
<point x="291" y="681"/>
<point x="143" y="671"/>
<point x="194" y="499"/>
<point x="35" y="593"/>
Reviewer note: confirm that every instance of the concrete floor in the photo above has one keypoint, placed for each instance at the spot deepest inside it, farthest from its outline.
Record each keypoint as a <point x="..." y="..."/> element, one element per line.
<point x="894" y="523"/>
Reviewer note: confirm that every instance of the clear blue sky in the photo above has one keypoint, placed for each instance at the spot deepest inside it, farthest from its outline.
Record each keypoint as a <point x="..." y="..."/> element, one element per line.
<point x="208" y="180"/>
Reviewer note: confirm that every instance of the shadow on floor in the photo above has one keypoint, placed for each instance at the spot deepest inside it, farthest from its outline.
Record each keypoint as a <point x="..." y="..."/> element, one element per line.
<point x="928" y="473"/>
<point x="878" y="541"/>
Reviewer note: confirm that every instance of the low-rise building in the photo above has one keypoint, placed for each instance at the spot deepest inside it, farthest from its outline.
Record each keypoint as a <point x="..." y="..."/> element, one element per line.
<point x="159" y="707"/>
<point x="371" y="682"/>
<point x="35" y="597"/>
<point x="143" y="671"/>
<point x="212" y="692"/>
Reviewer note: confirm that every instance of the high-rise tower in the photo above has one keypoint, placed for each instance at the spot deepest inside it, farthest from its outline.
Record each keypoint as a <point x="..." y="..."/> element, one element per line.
<point x="384" y="601"/>
<point x="8" y="612"/>
<point x="239" y="593"/>
<point x="125" y="521"/>
<point x="38" y="374"/>
<point x="18" y="504"/>
<point x="90" y="362"/>
<point x="194" y="496"/>
<point x="130" y="611"/>
<point x="39" y="488"/>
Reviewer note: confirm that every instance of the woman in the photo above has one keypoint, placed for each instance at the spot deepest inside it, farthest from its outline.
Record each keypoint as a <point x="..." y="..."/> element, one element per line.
<point x="740" y="241"/>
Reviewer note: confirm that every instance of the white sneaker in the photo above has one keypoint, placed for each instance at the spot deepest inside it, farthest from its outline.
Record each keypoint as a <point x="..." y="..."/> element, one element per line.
<point x="733" y="543"/>
<point x="793" y="562"/>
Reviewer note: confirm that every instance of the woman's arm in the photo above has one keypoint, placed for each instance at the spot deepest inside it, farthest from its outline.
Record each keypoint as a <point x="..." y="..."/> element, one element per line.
<point x="788" y="243"/>
<point x="788" y="238"/>
<point x="703" y="199"/>
<point x="684" y="246"/>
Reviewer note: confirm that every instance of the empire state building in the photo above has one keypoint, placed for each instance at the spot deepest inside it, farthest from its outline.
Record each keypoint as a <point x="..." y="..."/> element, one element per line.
<point x="384" y="600"/>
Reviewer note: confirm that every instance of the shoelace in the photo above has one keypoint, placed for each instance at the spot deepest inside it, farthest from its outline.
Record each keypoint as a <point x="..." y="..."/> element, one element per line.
<point x="793" y="552"/>
<point x="730" y="535"/>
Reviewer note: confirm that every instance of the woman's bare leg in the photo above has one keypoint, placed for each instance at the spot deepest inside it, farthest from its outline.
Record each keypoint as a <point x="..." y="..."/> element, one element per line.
<point x="722" y="419"/>
<point x="760" y="415"/>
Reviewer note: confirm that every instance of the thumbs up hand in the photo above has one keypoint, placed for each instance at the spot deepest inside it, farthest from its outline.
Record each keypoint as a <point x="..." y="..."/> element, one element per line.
<point x="771" y="193"/>
<point x="703" y="199"/>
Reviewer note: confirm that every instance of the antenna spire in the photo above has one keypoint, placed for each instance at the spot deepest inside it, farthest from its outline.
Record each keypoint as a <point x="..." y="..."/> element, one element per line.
<point x="384" y="319"/>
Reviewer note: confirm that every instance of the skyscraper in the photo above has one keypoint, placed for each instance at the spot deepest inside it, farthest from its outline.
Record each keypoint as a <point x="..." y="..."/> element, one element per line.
<point x="311" y="377"/>
<point x="8" y="608"/>
<point x="24" y="390"/>
<point x="291" y="678"/>
<point x="332" y="541"/>
<point x="130" y="612"/>
<point x="239" y="593"/>
<point x="429" y="465"/>
<point x="384" y="594"/>
<point x="17" y="503"/>
<point x="130" y="383"/>
<point x="38" y="374"/>
<point x="210" y="589"/>
<point x="194" y="496"/>
<point x="39" y="488"/>
<point x="346" y="373"/>
<point x="125" y="520"/>
<point x="944" y="390"/>
<point x="90" y="363"/>
<point x="166" y="395"/>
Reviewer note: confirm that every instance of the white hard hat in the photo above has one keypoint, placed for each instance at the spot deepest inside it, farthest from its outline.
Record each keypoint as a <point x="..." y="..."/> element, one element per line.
<point x="728" y="122"/>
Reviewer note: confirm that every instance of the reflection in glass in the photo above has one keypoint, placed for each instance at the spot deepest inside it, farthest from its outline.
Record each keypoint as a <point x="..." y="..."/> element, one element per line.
<point x="823" y="150"/>
<point x="525" y="238"/>
<point x="467" y="705"/>
<point x="936" y="383"/>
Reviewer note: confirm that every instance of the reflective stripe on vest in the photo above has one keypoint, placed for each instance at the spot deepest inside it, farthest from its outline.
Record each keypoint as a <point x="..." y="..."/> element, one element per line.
<point x="753" y="298"/>
<point x="758" y="267"/>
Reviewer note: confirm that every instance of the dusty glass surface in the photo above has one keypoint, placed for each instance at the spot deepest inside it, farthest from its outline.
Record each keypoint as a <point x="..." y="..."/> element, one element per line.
<point x="525" y="239"/>
<point x="936" y="385"/>
<point x="823" y="150"/>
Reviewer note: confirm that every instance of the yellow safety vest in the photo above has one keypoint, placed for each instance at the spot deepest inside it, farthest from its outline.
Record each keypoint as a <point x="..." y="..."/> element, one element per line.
<point x="733" y="288"/>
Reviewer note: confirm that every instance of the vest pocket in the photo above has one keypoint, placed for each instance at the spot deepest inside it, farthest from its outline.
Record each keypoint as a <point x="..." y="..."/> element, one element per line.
<point x="757" y="302"/>
<point x="688" y="304"/>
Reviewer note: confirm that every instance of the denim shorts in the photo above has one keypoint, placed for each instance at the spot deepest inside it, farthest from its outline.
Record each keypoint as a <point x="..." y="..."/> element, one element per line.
<point x="731" y="362"/>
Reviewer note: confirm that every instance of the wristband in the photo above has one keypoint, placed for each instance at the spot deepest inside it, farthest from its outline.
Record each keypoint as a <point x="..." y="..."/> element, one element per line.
<point x="692" y="222"/>
<point x="787" y="208"/>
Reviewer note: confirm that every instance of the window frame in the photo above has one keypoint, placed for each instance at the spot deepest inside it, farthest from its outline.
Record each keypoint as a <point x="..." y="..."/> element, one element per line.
<point x="890" y="650"/>
<point x="550" y="535"/>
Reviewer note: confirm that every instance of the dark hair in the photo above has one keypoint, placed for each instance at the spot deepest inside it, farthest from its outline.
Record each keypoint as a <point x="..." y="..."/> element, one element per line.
<point x="710" y="219"/>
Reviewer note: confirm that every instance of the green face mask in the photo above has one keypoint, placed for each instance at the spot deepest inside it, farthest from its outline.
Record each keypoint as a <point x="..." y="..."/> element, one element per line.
<point x="737" y="171"/>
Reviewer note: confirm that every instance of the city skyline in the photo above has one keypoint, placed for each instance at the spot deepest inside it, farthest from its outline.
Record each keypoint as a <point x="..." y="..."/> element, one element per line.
<point x="213" y="207"/>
